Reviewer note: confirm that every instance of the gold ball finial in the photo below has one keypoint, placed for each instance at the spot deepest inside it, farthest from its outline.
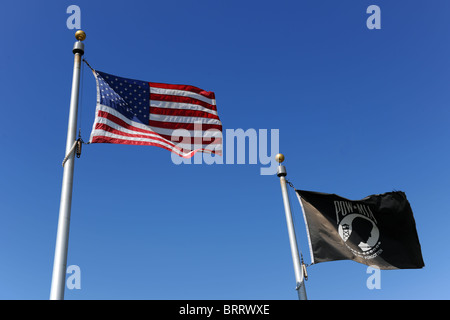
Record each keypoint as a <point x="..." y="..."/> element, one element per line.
<point x="279" y="158"/>
<point x="80" y="35"/>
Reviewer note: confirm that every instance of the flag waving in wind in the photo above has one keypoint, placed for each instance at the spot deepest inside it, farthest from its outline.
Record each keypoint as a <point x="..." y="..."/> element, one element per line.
<point x="180" y="118"/>
<point x="378" y="230"/>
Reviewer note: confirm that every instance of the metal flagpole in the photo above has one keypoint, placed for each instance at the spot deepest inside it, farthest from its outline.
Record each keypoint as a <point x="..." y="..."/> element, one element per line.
<point x="299" y="276"/>
<point x="62" y="237"/>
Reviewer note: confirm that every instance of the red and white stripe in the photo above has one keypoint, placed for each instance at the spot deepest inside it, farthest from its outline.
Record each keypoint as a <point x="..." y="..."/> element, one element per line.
<point x="183" y="119"/>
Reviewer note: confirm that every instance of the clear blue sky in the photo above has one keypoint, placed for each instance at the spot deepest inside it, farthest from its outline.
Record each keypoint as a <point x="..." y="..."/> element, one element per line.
<point x="359" y="112"/>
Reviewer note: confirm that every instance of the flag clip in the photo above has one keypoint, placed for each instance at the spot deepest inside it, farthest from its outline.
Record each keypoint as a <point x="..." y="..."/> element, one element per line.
<point x="305" y="273"/>
<point x="290" y="184"/>
<point x="78" y="148"/>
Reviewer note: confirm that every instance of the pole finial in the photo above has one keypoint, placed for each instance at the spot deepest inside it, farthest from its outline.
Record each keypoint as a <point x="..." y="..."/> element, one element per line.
<point x="279" y="158"/>
<point x="80" y="35"/>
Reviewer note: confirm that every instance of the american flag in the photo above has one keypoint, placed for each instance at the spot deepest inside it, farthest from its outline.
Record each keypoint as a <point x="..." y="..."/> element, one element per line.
<point x="148" y="113"/>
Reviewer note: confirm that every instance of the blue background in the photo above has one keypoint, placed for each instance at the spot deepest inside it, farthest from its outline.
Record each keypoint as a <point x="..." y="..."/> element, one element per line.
<point x="359" y="112"/>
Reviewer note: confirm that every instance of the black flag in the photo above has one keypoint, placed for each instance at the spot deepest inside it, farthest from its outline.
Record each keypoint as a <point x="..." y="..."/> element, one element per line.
<point x="378" y="230"/>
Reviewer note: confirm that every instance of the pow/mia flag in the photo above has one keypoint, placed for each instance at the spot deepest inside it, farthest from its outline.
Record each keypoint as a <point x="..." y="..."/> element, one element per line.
<point x="378" y="230"/>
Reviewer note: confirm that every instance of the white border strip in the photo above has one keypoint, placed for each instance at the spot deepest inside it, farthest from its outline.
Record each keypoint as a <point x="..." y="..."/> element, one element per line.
<point x="307" y="228"/>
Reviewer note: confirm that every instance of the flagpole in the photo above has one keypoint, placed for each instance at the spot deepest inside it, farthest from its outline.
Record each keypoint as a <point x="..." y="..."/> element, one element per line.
<point x="299" y="276"/>
<point x="62" y="237"/>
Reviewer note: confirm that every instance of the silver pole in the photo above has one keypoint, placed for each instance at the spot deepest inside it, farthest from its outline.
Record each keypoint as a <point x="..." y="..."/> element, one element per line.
<point x="299" y="276"/>
<point x="62" y="236"/>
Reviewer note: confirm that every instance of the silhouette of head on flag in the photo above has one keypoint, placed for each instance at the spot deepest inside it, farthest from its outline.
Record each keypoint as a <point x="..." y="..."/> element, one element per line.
<point x="361" y="232"/>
